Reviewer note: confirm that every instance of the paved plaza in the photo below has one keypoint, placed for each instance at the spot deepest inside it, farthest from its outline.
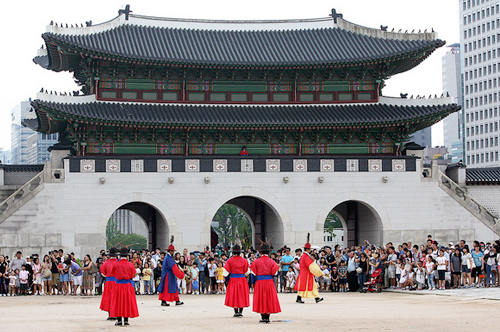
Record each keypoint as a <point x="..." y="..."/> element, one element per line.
<point x="458" y="310"/>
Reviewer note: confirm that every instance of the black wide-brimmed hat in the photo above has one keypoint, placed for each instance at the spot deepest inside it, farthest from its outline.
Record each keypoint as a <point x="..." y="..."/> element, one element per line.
<point x="265" y="248"/>
<point x="236" y="249"/>
<point x="113" y="252"/>
<point x="124" y="251"/>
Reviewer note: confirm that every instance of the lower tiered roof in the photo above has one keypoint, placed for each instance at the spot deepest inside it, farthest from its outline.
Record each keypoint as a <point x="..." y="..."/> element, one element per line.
<point x="51" y="115"/>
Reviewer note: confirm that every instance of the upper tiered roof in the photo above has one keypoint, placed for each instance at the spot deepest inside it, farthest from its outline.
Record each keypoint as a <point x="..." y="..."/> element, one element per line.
<point x="323" y="42"/>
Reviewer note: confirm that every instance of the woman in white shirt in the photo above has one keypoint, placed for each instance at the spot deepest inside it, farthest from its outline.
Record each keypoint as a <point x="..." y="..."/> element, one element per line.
<point x="466" y="267"/>
<point x="429" y="269"/>
<point x="442" y="263"/>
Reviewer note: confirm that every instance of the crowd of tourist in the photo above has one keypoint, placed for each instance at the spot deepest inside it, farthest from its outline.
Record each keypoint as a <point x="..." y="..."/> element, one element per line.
<point x="405" y="266"/>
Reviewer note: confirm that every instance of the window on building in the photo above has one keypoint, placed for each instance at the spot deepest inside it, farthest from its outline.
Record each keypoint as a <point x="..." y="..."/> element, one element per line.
<point x="364" y="96"/>
<point x="170" y="95"/>
<point x="217" y="96"/>
<point x="306" y="97"/>
<point x="131" y="95"/>
<point x="260" y="97"/>
<point x="109" y="94"/>
<point x="149" y="95"/>
<point x="196" y="96"/>
<point x="345" y="96"/>
<point x="326" y="97"/>
<point x="281" y="97"/>
<point x="239" y="97"/>
<point x="468" y="160"/>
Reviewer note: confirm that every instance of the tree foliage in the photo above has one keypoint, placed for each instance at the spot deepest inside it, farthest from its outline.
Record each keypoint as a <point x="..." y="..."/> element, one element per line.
<point x="115" y="238"/>
<point x="332" y="222"/>
<point x="232" y="221"/>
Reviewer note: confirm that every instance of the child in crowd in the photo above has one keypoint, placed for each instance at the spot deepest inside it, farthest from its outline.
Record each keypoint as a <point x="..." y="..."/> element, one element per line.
<point x="195" y="283"/>
<point x="146" y="278"/>
<point x="335" y="279"/>
<point x="327" y="278"/>
<point x="290" y="280"/>
<point x="296" y="266"/>
<point x="420" y="275"/>
<point x="137" y="279"/>
<point x="398" y="271"/>
<point x="343" y="276"/>
<point x="23" y="278"/>
<point x="219" y="272"/>
<point x="429" y="269"/>
<point x="12" y="283"/>
<point x="211" y="273"/>
<point x="98" y="279"/>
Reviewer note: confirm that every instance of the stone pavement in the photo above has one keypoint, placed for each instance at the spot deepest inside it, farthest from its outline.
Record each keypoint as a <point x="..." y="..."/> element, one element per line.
<point x="386" y="311"/>
<point x="472" y="293"/>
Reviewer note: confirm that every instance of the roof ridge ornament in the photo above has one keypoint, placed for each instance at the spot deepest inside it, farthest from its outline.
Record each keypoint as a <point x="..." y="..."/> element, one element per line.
<point x="334" y="15"/>
<point x="125" y="11"/>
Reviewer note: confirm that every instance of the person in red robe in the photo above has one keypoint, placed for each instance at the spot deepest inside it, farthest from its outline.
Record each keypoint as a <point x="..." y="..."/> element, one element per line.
<point x="237" y="294"/>
<point x="306" y="285"/>
<point x="168" y="289"/>
<point x="106" y="270"/>
<point x="265" y="296"/>
<point x="123" y="303"/>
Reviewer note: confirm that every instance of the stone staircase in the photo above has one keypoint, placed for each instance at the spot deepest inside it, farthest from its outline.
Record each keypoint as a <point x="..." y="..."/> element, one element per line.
<point x="460" y="195"/>
<point x="18" y="197"/>
<point x="6" y="191"/>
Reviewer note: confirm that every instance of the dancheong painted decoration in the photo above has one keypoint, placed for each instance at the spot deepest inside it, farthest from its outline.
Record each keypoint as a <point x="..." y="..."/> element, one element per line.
<point x="164" y="86"/>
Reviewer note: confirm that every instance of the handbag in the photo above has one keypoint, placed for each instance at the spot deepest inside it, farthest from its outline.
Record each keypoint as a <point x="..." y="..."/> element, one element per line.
<point x="93" y="269"/>
<point x="46" y="273"/>
<point x="472" y="264"/>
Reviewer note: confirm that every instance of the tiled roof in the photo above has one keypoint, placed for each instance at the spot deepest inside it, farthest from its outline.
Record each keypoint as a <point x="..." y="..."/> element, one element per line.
<point x="320" y="46"/>
<point x="241" y="116"/>
<point x="21" y="168"/>
<point x="489" y="175"/>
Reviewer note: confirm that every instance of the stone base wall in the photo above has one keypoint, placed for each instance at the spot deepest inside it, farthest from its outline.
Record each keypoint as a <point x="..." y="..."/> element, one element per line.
<point x="73" y="215"/>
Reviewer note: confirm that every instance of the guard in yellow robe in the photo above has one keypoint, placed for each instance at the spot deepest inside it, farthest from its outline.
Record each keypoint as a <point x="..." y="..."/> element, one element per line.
<point x="306" y="285"/>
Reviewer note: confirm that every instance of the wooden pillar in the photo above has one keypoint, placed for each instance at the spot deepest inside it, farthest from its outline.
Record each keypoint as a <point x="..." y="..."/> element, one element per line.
<point x="152" y="227"/>
<point x="259" y="222"/>
<point x="352" y="223"/>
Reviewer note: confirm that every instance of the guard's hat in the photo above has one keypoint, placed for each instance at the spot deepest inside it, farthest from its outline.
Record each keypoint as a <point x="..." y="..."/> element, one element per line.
<point x="236" y="249"/>
<point x="113" y="252"/>
<point x="124" y="251"/>
<point x="264" y="248"/>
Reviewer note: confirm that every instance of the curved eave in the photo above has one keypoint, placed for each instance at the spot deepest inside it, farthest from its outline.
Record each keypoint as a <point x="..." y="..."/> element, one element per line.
<point x="53" y="116"/>
<point x="60" y="51"/>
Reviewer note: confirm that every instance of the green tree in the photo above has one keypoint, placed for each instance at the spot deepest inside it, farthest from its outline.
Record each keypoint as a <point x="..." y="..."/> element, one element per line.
<point x="332" y="222"/>
<point x="232" y="221"/>
<point x="115" y="238"/>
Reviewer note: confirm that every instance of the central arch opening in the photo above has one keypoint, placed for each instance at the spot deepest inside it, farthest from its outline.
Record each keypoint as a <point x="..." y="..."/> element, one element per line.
<point x="261" y="218"/>
<point x="359" y="222"/>
<point x="137" y="225"/>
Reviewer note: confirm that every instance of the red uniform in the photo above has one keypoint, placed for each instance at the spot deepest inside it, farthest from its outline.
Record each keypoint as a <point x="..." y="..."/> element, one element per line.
<point x="123" y="302"/>
<point x="265" y="296"/>
<point x="305" y="281"/>
<point x="106" y="269"/>
<point x="237" y="295"/>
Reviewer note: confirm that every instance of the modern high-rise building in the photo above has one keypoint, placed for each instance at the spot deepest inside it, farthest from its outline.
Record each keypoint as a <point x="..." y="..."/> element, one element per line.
<point x="480" y="54"/>
<point x="19" y="134"/>
<point x="28" y="146"/>
<point x="423" y="137"/>
<point x="452" y="85"/>
<point x="38" y="145"/>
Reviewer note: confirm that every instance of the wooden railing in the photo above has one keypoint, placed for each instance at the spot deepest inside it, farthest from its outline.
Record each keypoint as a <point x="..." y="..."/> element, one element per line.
<point x="21" y="196"/>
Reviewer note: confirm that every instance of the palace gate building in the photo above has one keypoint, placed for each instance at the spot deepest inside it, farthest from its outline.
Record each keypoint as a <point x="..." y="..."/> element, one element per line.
<point x="166" y="105"/>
